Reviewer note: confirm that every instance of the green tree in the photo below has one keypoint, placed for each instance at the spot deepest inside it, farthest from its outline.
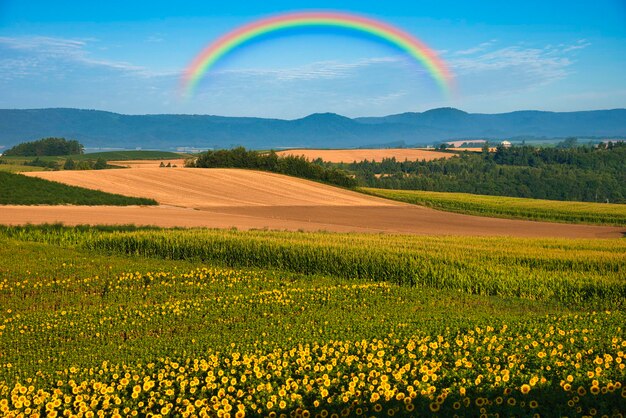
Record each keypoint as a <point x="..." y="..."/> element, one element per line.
<point x="47" y="147"/>
<point x="69" y="164"/>
<point x="570" y="142"/>
<point x="100" y="164"/>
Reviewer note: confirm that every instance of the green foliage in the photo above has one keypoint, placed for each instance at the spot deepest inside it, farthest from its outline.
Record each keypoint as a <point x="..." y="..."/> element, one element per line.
<point x="69" y="164"/>
<point x="38" y="162"/>
<point x="46" y="146"/>
<point x="16" y="189"/>
<point x="297" y="166"/>
<point x="511" y="207"/>
<point x="134" y="155"/>
<point x="583" y="173"/>
<point x="125" y="334"/>
<point x="100" y="164"/>
<point x="570" y="271"/>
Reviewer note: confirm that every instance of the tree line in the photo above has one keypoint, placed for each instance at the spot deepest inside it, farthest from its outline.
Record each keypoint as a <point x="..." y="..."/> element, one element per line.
<point x="46" y="147"/>
<point x="583" y="173"/>
<point x="296" y="166"/>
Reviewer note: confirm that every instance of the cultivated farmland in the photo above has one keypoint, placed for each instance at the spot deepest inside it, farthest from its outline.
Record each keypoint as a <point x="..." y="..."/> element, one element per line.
<point x="510" y="207"/>
<point x="250" y="199"/>
<point x="210" y="323"/>
<point x="375" y="154"/>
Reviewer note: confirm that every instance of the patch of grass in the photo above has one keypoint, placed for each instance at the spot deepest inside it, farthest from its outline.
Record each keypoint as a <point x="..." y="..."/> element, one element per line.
<point x="107" y="155"/>
<point x="19" y="168"/>
<point x="510" y="207"/>
<point x="130" y="335"/>
<point x="585" y="272"/>
<point x="132" y="155"/>
<point x="16" y="189"/>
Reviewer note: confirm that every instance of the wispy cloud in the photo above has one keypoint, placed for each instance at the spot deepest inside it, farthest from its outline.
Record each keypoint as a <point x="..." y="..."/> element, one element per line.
<point x="323" y="70"/>
<point x="36" y="52"/>
<point x="157" y="38"/>
<point x="581" y="44"/>
<point x="39" y="71"/>
<point x="518" y="64"/>
<point x="479" y="48"/>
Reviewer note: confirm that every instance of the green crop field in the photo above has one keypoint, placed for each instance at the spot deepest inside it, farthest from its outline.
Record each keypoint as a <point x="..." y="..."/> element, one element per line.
<point x="15" y="164"/>
<point x="18" y="168"/>
<point x="132" y="155"/>
<point x="149" y="322"/>
<point x="16" y="189"/>
<point x="107" y="155"/>
<point x="511" y="207"/>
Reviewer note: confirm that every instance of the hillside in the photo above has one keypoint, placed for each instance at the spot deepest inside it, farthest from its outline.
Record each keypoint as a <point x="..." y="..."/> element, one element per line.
<point x="248" y="199"/>
<point x="197" y="188"/>
<point x="96" y="128"/>
<point x="16" y="189"/>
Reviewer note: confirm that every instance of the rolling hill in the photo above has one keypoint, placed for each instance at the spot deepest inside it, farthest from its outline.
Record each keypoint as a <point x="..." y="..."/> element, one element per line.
<point x="96" y="128"/>
<point x="248" y="199"/>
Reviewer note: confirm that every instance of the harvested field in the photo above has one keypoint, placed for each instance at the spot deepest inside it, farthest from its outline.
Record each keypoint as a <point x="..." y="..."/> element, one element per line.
<point x="403" y="220"/>
<point x="180" y="162"/>
<point x="214" y="187"/>
<point x="350" y="155"/>
<point x="245" y="199"/>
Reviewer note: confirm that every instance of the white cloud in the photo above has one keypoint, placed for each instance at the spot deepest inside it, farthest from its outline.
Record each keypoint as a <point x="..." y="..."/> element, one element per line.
<point x="479" y="48"/>
<point x="517" y="65"/>
<point x="48" y="54"/>
<point x="155" y="38"/>
<point x="581" y="44"/>
<point x="323" y="70"/>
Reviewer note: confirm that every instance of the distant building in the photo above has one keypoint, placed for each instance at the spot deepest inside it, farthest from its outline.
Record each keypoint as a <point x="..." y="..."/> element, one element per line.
<point x="505" y="144"/>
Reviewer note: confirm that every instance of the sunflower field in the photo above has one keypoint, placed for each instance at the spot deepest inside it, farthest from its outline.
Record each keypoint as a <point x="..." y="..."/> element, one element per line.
<point x="126" y="322"/>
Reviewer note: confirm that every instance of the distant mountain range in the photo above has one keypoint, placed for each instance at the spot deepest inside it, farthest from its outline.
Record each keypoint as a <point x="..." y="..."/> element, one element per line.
<point x="99" y="129"/>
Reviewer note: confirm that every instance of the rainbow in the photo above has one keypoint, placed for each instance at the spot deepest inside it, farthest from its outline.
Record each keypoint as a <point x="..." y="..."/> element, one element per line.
<point x="413" y="47"/>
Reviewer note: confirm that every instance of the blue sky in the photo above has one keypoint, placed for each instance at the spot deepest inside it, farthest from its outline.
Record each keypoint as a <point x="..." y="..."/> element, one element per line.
<point x="127" y="57"/>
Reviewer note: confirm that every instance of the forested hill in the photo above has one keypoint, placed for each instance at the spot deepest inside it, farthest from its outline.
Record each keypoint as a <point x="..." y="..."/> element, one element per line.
<point x="322" y="130"/>
<point x="591" y="174"/>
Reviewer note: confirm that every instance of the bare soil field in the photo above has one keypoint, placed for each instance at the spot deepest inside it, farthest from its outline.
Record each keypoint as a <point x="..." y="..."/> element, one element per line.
<point x="245" y="199"/>
<point x="376" y="219"/>
<point x="350" y="155"/>
<point x="212" y="187"/>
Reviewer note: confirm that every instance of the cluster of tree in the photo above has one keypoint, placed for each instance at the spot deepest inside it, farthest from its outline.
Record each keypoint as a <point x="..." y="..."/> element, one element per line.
<point x="38" y="162"/>
<point x="46" y="147"/>
<point x="270" y="161"/>
<point x="163" y="165"/>
<point x="99" y="164"/>
<point x="582" y="173"/>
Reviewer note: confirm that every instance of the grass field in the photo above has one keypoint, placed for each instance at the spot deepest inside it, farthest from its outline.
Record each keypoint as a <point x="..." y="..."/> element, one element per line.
<point x="133" y="155"/>
<point x="107" y="155"/>
<point x="511" y="207"/>
<point x="94" y="330"/>
<point x="17" y="189"/>
<point x="19" y="168"/>
<point x="15" y="164"/>
<point x="572" y="271"/>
